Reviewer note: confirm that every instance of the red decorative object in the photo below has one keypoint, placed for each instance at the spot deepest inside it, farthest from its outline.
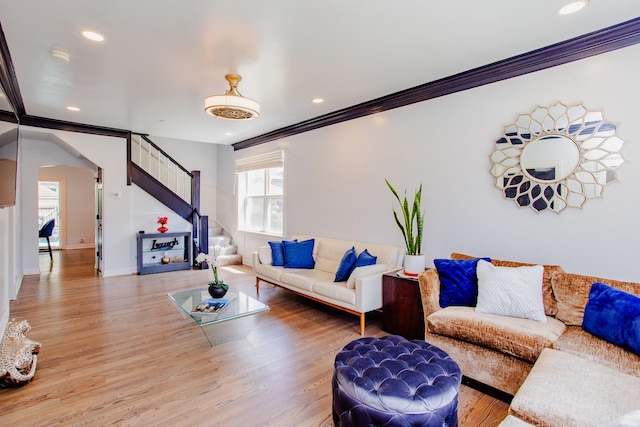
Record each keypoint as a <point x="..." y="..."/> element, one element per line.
<point x="162" y="220"/>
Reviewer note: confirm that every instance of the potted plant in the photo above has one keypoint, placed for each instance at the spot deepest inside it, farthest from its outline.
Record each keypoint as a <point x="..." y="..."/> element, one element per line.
<point x="411" y="227"/>
<point x="217" y="288"/>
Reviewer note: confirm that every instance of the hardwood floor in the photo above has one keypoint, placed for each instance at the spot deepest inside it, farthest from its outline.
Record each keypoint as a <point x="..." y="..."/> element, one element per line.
<point x="115" y="351"/>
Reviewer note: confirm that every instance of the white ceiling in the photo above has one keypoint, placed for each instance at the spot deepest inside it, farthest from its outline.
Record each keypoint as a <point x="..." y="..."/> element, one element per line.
<point x="161" y="58"/>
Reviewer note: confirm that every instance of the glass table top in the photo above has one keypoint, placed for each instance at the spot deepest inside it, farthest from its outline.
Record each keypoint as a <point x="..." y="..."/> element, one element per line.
<point x="238" y="305"/>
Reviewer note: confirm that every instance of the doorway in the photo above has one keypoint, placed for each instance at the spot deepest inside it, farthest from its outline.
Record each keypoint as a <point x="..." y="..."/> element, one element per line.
<point x="67" y="194"/>
<point x="49" y="206"/>
<point x="99" y="201"/>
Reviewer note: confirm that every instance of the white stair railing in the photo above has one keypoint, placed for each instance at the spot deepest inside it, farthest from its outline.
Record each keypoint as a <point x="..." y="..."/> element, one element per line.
<point x="161" y="166"/>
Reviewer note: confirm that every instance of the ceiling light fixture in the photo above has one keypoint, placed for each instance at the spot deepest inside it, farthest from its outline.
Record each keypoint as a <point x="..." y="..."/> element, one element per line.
<point x="317" y="100"/>
<point x="573" y="7"/>
<point x="92" y="35"/>
<point x="59" y="55"/>
<point x="232" y="105"/>
<point x="72" y="108"/>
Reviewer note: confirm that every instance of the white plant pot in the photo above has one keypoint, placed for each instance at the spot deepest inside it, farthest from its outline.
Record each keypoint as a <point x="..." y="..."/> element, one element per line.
<point x="414" y="264"/>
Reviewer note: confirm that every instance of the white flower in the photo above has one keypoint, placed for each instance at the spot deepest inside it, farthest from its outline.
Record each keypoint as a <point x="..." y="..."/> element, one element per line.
<point x="211" y="258"/>
<point x="202" y="257"/>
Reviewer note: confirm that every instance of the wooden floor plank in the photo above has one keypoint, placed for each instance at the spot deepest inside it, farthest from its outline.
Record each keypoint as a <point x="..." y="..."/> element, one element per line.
<point x="116" y="351"/>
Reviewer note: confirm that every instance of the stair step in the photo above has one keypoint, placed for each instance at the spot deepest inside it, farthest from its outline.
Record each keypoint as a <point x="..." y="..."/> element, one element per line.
<point x="215" y="231"/>
<point x="219" y="240"/>
<point x="234" y="259"/>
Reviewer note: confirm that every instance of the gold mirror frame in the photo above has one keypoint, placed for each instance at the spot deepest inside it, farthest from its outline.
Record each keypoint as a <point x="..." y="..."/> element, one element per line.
<point x="561" y="182"/>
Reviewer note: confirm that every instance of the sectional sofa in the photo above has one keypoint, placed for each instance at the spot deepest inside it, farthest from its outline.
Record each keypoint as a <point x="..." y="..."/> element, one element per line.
<point x="559" y="373"/>
<point x="359" y="293"/>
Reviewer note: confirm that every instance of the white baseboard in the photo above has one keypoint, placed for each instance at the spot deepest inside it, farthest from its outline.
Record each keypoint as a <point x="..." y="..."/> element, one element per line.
<point x="119" y="272"/>
<point x="16" y="286"/>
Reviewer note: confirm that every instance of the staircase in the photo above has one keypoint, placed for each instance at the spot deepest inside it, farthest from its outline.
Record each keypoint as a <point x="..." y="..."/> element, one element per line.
<point x="229" y="252"/>
<point x="162" y="177"/>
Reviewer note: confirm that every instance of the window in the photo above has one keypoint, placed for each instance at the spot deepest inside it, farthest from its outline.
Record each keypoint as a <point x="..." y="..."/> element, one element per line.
<point x="261" y="193"/>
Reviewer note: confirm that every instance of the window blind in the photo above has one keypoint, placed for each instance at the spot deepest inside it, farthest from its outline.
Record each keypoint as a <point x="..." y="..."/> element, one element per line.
<point x="274" y="159"/>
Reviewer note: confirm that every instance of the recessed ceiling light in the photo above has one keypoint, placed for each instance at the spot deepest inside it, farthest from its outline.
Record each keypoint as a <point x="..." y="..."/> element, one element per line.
<point x="92" y="35"/>
<point x="72" y="108"/>
<point x="573" y="7"/>
<point x="228" y="134"/>
<point x="317" y="100"/>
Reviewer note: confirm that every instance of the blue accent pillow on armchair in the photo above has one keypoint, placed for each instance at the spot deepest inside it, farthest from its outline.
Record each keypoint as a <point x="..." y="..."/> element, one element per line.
<point x="458" y="281"/>
<point x="365" y="258"/>
<point x="299" y="254"/>
<point x="347" y="265"/>
<point x="614" y="316"/>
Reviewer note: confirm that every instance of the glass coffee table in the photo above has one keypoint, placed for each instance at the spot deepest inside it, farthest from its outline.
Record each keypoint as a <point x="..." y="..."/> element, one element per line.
<point x="233" y="322"/>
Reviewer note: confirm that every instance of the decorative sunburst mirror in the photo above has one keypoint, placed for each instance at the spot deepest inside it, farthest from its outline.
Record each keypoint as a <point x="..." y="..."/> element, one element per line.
<point x="557" y="157"/>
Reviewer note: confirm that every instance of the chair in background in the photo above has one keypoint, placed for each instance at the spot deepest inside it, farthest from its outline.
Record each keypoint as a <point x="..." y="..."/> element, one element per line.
<point x="45" y="232"/>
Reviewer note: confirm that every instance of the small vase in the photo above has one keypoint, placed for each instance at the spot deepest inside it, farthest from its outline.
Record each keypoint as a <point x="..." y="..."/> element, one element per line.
<point x="216" y="292"/>
<point x="163" y="229"/>
<point x="414" y="264"/>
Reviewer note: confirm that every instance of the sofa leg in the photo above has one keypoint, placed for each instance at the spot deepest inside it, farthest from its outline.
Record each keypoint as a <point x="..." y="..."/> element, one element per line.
<point x="362" y="323"/>
<point x="257" y="286"/>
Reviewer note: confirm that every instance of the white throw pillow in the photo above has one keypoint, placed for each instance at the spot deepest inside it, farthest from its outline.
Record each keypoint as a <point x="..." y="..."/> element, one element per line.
<point x="510" y="291"/>
<point x="264" y="255"/>
<point x="365" y="270"/>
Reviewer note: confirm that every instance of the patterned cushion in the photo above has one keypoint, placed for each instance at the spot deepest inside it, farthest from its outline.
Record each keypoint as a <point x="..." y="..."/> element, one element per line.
<point x="510" y="291"/>
<point x="393" y="381"/>
<point x="522" y="338"/>
<point x="614" y="316"/>
<point x="458" y="281"/>
<point x="550" y="304"/>
<point x="347" y="265"/>
<point x="579" y="342"/>
<point x="572" y="292"/>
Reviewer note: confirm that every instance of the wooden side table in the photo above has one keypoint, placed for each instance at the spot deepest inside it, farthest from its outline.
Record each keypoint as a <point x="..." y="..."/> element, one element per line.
<point x="402" y="306"/>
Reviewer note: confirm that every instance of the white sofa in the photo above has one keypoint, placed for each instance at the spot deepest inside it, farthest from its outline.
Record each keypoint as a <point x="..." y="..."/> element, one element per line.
<point x="360" y="294"/>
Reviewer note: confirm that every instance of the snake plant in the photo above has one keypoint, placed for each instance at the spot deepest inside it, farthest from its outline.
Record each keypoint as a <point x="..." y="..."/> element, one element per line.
<point x="413" y="220"/>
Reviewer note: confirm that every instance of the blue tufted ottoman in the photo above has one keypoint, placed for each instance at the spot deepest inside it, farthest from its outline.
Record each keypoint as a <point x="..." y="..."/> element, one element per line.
<point x="391" y="381"/>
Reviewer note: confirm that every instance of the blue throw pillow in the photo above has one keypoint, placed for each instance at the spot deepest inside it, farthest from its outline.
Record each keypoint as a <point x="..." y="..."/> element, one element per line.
<point x="458" y="281"/>
<point x="614" y="316"/>
<point x="365" y="258"/>
<point x="347" y="265"/>
<point x="277" y="253"/>
<point x="299" y="254"/>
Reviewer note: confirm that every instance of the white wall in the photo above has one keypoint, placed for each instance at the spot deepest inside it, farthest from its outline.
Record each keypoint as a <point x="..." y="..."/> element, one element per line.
<point x="10" y="266"/>
<point x="335" y="175"/>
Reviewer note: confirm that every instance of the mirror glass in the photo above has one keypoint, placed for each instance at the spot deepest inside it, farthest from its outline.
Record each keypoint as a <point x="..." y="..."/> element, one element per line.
<point x="556" y="157"/>
<point x="550" y="158"/>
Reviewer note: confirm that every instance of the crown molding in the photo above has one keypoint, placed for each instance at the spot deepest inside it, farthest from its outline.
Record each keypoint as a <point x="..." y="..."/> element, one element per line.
<point x="43" y="122"/>
<point x="591" y="44"/>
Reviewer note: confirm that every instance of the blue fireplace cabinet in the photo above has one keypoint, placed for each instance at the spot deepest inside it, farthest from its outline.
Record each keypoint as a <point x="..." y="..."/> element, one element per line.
<point x="160" y="252"/>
